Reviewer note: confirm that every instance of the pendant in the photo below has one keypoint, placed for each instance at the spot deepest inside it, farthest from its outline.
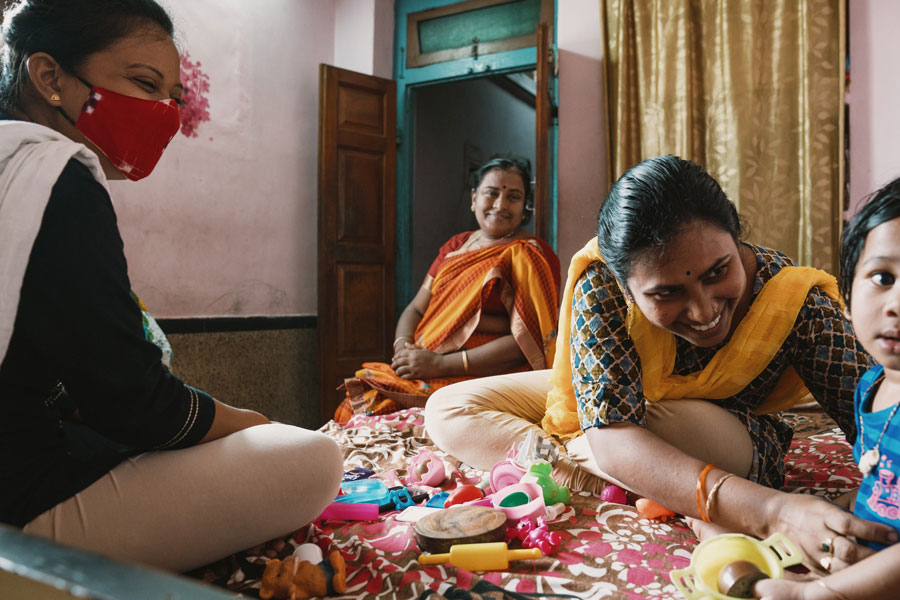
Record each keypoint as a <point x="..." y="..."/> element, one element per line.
<point x="868" y="461"/>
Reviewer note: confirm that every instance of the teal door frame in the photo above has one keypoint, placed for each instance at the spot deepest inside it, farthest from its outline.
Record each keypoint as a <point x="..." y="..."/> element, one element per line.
<point x="408" y="80"/>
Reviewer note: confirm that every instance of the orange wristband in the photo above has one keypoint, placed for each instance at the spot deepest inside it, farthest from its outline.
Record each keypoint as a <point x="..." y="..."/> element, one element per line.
<point x="701" y="491"/>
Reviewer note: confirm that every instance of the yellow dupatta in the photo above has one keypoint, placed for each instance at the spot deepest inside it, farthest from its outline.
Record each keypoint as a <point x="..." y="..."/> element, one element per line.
<point x="752" y="346"/>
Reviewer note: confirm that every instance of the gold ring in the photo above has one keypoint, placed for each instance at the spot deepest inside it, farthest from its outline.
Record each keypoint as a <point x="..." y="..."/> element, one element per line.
<point x="825" y="561"/>
<point x="827" y="545"/>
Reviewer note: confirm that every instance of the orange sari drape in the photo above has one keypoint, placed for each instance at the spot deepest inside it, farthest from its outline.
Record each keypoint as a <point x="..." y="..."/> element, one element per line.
<point x="517" y="271"/>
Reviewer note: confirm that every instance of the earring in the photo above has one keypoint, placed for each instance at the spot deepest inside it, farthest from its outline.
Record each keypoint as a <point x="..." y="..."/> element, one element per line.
<point x="54" y="97"/>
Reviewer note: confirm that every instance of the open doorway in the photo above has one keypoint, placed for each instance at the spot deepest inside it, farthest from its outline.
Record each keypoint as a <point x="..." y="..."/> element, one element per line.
<point x="459" y="125"/>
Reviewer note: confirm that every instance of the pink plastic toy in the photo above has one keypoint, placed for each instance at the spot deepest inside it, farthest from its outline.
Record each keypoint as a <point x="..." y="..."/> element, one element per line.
<point x="426" y="469"/>
<point x="505" y="473"/>
<point x="541" y="537"/>
<point x="532" y="508"/>
<point x="614" y="494"/>
<point x="648" y="509"/>
<point x="350" y="511"/>
<point x="535" y="536"/>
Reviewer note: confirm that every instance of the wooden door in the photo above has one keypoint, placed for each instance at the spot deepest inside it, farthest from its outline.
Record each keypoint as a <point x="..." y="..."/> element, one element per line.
<point x="544" y="112"/>
<point x="357" y="173"/>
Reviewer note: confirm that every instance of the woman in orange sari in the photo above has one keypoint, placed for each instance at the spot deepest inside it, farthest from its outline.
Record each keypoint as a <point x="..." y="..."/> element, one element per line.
<point x="488" y="305"/>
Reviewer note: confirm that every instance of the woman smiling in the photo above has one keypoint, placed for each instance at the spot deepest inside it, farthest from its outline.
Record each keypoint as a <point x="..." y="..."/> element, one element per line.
<point x="101" y="447"/>
<point x="678" y="346"/>
<point x="488" y="304"/>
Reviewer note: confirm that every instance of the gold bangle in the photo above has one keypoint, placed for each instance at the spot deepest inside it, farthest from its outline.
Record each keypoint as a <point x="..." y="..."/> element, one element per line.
<point x="402" y="338"/>
<point x="832" y="590"/>
<point x="465" y="360"/>
<point x="713" y="491"/>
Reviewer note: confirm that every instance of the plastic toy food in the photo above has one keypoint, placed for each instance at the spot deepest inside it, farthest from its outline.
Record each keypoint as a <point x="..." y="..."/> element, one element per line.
<point x="296" y="579"/>
<point x="463" y="493"/>
<point x="480" y="557"/>
<point x="539" y="473"/>
<point x="648" y="509"/>
<point x="718" y="555"/>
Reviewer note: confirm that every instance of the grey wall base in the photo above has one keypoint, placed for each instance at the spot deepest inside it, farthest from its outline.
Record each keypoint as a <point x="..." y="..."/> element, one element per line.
<point x="271" y="371"/>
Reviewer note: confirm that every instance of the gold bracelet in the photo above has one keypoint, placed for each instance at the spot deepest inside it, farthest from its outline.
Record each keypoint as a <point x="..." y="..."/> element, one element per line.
<point x="465" y="360"/>
<point x="713" y="491"/>
<point x="403" y="338"/>
<point x="832" y="590"/>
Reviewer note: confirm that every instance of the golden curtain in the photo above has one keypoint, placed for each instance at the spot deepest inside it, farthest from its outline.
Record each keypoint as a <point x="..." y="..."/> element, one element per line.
<point x="750" y="89"/>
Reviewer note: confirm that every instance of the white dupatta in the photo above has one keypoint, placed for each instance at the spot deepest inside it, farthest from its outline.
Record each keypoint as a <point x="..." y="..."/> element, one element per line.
<point x="32" y="157"/>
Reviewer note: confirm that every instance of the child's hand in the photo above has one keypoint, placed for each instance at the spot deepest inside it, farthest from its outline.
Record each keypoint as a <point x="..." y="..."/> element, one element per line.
<point x="780" y="589"/>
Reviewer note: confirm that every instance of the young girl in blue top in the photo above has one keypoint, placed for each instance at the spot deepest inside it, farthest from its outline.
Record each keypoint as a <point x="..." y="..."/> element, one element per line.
<point x="870" y="280"/>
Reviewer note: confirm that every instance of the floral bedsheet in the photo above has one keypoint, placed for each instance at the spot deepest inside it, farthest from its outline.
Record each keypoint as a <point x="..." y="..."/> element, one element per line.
<point x="607" y="550"/>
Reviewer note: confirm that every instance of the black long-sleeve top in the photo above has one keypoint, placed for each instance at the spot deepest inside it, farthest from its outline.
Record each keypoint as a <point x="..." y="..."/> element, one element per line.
<point x="78" y="346"/>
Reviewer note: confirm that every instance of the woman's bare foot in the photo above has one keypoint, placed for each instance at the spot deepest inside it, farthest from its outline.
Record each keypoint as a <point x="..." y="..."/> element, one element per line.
<point x="704" y="530"/>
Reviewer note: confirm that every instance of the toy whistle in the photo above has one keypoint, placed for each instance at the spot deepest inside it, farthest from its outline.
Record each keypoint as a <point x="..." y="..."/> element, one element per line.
<point x="489" y="556"/>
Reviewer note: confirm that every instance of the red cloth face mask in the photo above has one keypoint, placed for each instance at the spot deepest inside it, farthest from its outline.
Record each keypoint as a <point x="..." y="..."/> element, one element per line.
<point x="131" y="132"/>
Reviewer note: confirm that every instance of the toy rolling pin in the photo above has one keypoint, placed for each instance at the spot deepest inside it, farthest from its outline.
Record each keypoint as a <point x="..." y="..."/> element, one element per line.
<point x="490" y="556"/>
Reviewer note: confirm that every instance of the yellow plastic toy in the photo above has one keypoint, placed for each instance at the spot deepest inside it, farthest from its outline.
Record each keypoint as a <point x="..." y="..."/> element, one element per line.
<point x="488" y="556"/>
<point x="699" y="580"/>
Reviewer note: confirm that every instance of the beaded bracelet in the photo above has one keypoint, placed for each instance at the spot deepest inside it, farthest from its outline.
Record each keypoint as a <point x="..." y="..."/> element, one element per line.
<point x="701" y="490"/>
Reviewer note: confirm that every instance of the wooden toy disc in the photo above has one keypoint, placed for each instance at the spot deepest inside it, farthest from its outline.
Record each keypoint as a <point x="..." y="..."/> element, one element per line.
<point x="460" y="525"/>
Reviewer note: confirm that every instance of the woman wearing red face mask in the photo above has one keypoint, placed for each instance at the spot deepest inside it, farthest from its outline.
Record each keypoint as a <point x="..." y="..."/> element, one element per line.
<point x="100" y="446"/>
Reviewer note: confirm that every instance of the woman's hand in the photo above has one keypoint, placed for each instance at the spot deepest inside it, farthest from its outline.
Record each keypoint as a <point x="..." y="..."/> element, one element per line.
<point x="812" y="522"/>
<point x="415" y="362"/>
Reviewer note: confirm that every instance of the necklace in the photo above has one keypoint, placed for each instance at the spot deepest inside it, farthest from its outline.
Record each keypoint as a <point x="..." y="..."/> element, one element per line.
<point x="478" y="236"/>
<point x="869" y="458"/>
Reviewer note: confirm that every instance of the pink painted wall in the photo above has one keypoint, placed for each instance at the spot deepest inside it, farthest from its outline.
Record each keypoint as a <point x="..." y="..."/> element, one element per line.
<point x="874" y="94"/>
<point x="582" y="170"/>
<point x="226" y="225"/>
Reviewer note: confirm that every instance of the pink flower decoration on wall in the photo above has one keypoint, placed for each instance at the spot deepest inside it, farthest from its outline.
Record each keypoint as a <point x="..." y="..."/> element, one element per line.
<point x="196" y="88"/>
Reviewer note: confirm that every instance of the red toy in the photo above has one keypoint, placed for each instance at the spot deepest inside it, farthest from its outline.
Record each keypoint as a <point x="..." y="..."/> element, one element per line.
<point x="464" y="493"/>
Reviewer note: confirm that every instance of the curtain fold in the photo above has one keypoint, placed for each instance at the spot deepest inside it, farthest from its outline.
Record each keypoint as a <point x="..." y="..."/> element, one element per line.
<point x="750" y="89"/>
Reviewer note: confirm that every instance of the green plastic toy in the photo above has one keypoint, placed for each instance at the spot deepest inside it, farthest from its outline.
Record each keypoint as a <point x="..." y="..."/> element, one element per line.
<point x="539" y="473"/>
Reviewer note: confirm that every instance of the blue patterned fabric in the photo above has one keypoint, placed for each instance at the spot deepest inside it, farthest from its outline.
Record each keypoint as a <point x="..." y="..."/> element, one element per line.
<point x="878" y="498"/>
<point x="606" y="370"/>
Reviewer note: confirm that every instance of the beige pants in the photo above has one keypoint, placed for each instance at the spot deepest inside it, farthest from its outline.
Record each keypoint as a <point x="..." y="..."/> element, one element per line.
<point x="182" y="509"/>
<point x="479" y="420"/>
